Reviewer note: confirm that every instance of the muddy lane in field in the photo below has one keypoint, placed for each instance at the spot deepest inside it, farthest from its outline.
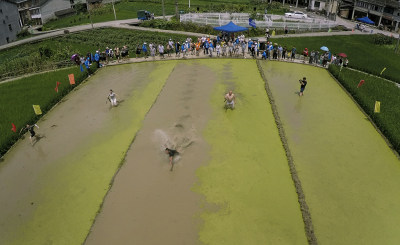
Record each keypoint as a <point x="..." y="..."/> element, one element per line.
<point x="50" y="192"/>
<point x="148" y="203"/>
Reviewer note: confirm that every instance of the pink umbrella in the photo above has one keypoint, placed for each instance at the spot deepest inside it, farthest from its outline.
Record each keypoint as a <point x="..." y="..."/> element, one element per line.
<point x="342" y="55"/>
<point x="74" y="56"/>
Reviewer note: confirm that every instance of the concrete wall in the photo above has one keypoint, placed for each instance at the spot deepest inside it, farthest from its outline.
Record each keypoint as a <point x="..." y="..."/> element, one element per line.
<point x="311" y="5"/>
<point x="47" y="10"/>
<point x="9" y="16"/>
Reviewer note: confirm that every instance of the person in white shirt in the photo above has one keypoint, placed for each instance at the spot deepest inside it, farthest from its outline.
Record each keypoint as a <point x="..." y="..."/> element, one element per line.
<point x="161" y="50"/>
<point x="112" y="97"/>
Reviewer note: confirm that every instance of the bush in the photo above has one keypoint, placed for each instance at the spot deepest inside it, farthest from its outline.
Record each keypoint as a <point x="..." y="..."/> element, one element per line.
<point x="23" y="33"/>
<point x="380" y="39"/>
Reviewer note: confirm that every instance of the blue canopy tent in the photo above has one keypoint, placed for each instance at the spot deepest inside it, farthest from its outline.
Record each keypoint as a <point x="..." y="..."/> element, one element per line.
<point x="366" y="20"/>
<point x="231" y="27"/>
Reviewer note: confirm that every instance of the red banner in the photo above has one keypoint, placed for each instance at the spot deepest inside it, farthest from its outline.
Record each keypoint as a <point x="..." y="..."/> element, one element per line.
<point x="71" y="79"/>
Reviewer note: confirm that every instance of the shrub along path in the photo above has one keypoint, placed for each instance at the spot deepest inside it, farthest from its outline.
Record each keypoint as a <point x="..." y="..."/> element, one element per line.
<point x="349" y="175"/>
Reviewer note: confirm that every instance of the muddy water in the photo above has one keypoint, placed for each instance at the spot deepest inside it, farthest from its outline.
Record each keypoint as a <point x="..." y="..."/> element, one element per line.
<point x="49" y="193"/>
<point x="350" y="177"/>
<point x="149" y="204"/>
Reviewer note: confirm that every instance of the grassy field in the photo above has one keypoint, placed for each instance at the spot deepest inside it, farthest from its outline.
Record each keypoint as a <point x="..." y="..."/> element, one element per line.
<point x="19" y="96"/>
<point x="362" y="53"/>
<point x="28" y="58"/>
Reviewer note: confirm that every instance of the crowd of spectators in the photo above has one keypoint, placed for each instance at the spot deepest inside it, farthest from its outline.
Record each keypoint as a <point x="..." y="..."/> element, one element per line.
<point x="218" y="46"/>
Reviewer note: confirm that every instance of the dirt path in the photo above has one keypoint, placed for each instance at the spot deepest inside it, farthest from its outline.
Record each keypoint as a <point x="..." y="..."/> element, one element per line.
<point x="349" y="175"/>
<point x="148" y="204"/>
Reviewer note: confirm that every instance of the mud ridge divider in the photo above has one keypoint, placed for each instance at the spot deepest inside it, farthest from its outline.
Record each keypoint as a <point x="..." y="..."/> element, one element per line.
<point x="305" y="212"/>
<point x="122" y="161"/>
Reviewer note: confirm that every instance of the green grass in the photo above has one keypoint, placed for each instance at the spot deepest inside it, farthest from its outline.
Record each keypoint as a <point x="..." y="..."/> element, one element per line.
<point x="362" y="53"/>
<point x="26" y="58"/>
<point x="374" y="89"/>
<point x="17" y="98"/>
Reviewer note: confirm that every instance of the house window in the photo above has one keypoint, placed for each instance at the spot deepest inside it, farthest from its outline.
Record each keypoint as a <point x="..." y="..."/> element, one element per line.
<point x="317" y="4"/>
<point x="4" y="21"/>
<point x="7" y="39"/>
<point x="1" y="11"/>
<point x="10" y="27"/>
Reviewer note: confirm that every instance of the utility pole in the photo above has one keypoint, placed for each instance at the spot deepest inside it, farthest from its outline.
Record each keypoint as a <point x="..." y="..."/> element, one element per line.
<point x="115" y="15"/>
<point x="163" y="9"/>
<point x="189" y="3"/>
<point x="88" y="9"/>
<point x="397" y="46"/>
<point x="176" y="9"/>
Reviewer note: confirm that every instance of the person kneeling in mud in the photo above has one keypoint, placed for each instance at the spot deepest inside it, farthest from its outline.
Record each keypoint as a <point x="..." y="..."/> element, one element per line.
<point x="171" y="154"/>
<point x="230" y="100"/>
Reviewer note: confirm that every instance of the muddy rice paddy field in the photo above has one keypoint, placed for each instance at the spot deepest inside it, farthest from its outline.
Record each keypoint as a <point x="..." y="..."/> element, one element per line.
<point x="99" y="174"/>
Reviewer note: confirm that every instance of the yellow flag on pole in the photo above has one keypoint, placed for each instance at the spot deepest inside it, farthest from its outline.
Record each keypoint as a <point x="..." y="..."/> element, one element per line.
<point x="377" y="107"/>
<point x="37" y="110"/>
<point x="383" y="70"/>
<point x="273" y="33"/>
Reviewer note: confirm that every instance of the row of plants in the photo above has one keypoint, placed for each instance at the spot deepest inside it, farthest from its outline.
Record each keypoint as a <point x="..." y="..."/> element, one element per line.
<point x="374" y="89"/>
<point x="55" y="53"/>
<point x="17" y="98"/>
<point x="363" y="54"/>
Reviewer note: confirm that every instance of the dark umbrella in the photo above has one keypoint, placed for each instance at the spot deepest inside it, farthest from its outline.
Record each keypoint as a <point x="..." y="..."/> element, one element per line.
<point x="74" y="56"/>
<point x="342" y="55"/>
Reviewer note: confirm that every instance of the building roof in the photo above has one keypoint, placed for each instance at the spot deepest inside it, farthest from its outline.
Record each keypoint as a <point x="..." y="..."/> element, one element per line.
<point x="41" y="2"/>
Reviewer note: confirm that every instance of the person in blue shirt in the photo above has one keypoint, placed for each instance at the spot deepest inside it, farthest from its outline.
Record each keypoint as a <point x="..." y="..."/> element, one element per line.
<point x="264" y="55"/>
<point x="293" y="53"/>
<point x="144" y="49"/>
<point x="97" y="58"/>
<point x="206" y="46"/>
<point x="211" y="47"/>
<point x="249" y="44"/>
<point x="87" y="65"/>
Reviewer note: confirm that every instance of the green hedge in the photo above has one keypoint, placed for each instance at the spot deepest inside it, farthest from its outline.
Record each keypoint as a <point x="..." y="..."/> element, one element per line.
<point x="374" y="89"/>
<point x="17" y="98"/>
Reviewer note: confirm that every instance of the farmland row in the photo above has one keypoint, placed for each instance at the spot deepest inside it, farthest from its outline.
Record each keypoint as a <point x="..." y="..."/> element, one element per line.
<point x="38" y="56"/>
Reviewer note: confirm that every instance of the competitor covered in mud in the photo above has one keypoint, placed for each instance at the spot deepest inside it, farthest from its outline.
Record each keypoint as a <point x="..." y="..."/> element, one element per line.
<point x="171" y="154"/>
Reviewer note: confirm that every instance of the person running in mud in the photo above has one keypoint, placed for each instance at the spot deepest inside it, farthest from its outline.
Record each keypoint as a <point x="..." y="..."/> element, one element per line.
<point x="171" y="153"/>
<point x="230" y="100"/>
<point x="31" y="129"/>
<point x="112" y="97"/>
<point x="303" y="85"/>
